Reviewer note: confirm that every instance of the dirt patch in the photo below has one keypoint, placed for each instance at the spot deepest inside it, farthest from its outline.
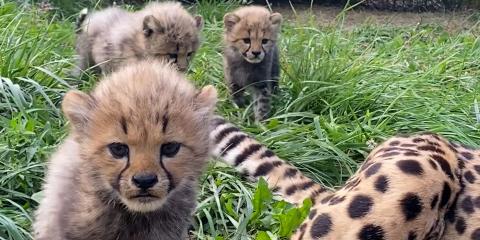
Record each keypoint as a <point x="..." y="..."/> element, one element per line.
<point x="325" y="16"/>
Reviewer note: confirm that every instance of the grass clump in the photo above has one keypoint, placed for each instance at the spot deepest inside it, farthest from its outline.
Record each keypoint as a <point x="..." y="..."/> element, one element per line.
<point x="341" y="93"/>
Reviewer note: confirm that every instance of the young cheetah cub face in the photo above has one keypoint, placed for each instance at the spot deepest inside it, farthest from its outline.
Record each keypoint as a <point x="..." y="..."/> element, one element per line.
<point x="252" y="31"/>
<point x="114" y="37"/>
<point x="142" y="134"/>
<point x="168" y="34"/>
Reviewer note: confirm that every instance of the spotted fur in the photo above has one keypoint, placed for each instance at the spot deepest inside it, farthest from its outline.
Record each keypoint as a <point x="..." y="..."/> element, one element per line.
<point x="251" y="56"/>
<point x="114" y="37"/>
<point x="409" y="187"/>
<point x="127" y="171"/>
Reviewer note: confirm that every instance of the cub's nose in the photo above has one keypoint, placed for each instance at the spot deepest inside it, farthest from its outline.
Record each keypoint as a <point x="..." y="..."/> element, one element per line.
<point x="144" y="181"/>
<point x="256" y="53"/>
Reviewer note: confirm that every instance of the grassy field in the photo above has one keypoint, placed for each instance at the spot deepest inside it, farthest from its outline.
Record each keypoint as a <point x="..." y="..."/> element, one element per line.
<point x="342" y="92"/>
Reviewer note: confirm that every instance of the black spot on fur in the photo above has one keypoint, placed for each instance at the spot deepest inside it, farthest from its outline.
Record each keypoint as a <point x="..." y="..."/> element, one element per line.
<point x="444" y="165"/>
<point x="434" y="201"/>
<point x="412" y="236"/>
<point x="394" y="143"/>
<point x="469" y="177"/>
<point x="410" y="167"/>
<point x="372" y="169"/>
<point x="408" y="145"/>
<point x="222" y="134"/>
<point x="417" y="140"/>
<point x="476" y="234"/>
<point x="321" y="226"/>
<point x="290" y="172"/>
<point x="411" y="154"/>
<point x="389" y="154"/>
<point x="326" y="199"/>
<point x="446" y="193"/>
<point x="246" y="153"/>
<point x="263" y="169"/>
<point x="365" y="165"/>
<point x="277" y="163"/>
<point x="451" y="212"/>
<point x="276" y="189"/>
<point x="431" y="148"/>
<point x="381" y="184"/>
<point x="467" y="155"/>
<point x="312" y="214"/>
<point x="411" y="206"/>
<point x="433" y="164"/>
<point x="477" y="168"/>
<point x="371" y="232"/>
<point x="317" y="192"/>
<point x="461" y="163"/>
<point x="232" y="143"/>
<point x="467" y="205"/>
<point x="336" y="200"/>
<point x="291" y="190"/>
<point x="306" y="185"/>
<point x="476" y="202"/>
<point x="360" y="206"/>
<point x="460" y="226"/>
<point x="268" y="153"/>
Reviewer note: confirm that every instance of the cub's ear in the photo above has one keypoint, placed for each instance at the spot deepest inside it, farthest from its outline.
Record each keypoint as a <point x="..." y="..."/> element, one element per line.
<point x="206" y="99"/>
<point x="199" y="22"/>
<point x="151" y="25"/>
<point x="229" y="20"/>
<point x="276" y="19"/>
<point x="77" y="107"/>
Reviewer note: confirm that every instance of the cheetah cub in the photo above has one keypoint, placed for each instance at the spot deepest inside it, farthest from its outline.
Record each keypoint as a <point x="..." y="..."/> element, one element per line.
<point x="113" y="37"/>
<point x="129" y="167"/>
<point x="251" y="56"/>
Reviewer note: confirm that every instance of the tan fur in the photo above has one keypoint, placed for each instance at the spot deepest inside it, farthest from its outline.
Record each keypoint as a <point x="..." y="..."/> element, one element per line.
<point x="114" y="37"/>
<point x="409" y="187"/>
<point x="143" y="106"/>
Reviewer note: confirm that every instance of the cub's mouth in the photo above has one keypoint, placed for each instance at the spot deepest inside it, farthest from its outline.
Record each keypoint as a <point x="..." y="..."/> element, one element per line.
<point x="255" y="59"/>
<point x="145" y="197"/>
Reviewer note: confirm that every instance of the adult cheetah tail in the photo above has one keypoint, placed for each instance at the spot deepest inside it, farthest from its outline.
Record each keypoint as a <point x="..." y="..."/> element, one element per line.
<point x="253" y="159"/>
<point x="82" y="15"/>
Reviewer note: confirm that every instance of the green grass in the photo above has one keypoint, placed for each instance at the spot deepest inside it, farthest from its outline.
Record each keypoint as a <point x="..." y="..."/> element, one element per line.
<point x="339" y="91"/>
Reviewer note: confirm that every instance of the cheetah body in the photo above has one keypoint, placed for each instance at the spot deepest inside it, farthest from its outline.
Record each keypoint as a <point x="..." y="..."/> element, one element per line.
<point x="409" y="187"/>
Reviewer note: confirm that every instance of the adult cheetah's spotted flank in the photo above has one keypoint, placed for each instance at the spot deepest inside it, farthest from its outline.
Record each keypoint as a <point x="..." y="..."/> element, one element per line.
<point x="409" y="187"/>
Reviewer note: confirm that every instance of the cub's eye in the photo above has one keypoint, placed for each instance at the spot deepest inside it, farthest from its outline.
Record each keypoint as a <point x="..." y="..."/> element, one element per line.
<point x="148" y="32"/>
<point x="189" y="54"/>
<point x="246" y="40"/>
<point x="118" y="150"/>
<point x="172" y="55"/>
<point x="264" y="41"/>
<point x="170" y="149"/>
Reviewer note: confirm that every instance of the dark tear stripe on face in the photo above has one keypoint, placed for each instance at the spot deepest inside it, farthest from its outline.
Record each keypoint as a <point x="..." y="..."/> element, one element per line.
<point x="171" y="185"/>
<point x="117" y="184"/>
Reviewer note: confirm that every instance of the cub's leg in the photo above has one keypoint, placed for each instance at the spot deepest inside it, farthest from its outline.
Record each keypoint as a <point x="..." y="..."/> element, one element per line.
<point x="275" y="73"/>
<point x="261" y="97"/>
<point x="236" y="85"/>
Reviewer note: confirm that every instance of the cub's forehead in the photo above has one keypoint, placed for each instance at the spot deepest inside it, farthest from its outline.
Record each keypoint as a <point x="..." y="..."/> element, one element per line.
<point x="144" y="88"/>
